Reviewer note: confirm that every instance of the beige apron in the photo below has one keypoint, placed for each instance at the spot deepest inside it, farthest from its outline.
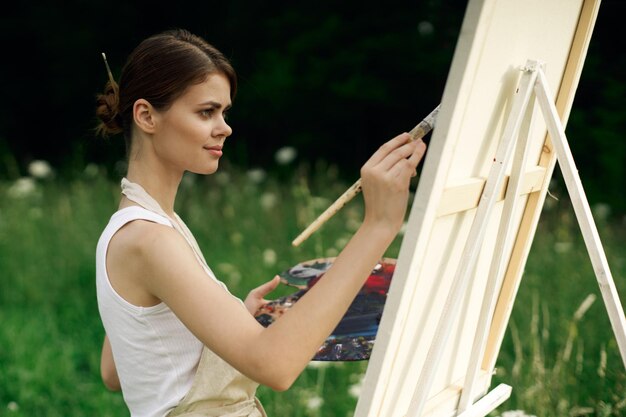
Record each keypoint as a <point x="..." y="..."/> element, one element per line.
<point x="218" y="389"/>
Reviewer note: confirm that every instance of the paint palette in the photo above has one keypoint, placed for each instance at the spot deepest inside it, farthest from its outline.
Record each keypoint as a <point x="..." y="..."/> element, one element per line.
<point x="353" y="338"/>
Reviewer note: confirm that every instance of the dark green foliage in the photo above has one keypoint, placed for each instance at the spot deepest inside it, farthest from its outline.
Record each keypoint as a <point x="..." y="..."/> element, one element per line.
<point x="333" y="79"/>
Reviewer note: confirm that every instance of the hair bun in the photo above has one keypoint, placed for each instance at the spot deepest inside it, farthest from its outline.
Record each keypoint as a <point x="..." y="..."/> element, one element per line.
<point x="107" y="110"/>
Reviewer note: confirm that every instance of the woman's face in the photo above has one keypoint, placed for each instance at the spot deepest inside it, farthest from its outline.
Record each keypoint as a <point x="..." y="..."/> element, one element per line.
<point x="191" y="133"/>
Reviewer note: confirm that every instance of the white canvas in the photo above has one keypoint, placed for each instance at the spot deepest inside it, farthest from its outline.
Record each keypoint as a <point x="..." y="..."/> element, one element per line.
<point x="496" y="40"/>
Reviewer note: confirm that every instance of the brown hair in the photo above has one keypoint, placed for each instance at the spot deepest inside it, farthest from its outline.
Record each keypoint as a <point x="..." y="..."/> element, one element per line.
<point x="159" y="70"/>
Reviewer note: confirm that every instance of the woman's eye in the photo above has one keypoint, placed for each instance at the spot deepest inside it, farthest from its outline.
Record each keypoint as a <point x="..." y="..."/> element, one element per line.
<point x="206" y="112"/>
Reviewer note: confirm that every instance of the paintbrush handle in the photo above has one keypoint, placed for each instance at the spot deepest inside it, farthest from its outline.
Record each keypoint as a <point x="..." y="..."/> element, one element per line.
<point x="418" y="132"/>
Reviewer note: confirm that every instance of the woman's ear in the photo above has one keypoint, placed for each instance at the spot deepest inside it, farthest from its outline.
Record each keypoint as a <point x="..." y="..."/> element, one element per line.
<point x="144" y="116"/>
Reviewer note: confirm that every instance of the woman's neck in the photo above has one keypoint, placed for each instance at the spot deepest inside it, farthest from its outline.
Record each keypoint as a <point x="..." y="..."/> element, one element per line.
<point x="161" y="184"/>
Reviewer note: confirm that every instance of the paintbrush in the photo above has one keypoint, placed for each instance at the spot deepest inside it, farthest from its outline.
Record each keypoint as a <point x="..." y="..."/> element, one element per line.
<point x="418" y="132"/>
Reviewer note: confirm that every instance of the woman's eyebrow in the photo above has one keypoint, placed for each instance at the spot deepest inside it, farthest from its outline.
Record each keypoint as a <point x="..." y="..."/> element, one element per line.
<point x="215" y="104"/>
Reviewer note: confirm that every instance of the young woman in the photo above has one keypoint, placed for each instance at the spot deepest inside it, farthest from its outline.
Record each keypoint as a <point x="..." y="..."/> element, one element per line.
<point x="177" y="342"/>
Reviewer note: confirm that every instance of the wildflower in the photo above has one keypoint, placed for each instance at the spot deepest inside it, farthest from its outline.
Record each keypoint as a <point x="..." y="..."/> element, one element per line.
<point x="314" y="403"/>
<point x="236" y="238"/>
<point x="516" y="413"/>
<point x="318" y="364"/>
<point x="403" y="228"/>
<point x="233" y="274"/>
<point x="268" y="200"/>
<point x="425" y="28"/>
<point x="320" y="202"/>
<point x="256" y="175"/>
<point x="285" y="155"/>
<point x="40" y="169"/>
<point x="222" y="178"/>
<point x="21" y="188"/>
<point x="562" y="247"/>
<point x="228" y="211"/>
<point x="353" y="224"/>
<point x="601" y="211"/>
<point x="226" y="267"/>
<point x="355" y="390"/>
<point x="91" y="170"/>
<point x="342" y="242"/>
<point x="269" y="257"/>
<point x="13" y="406"/>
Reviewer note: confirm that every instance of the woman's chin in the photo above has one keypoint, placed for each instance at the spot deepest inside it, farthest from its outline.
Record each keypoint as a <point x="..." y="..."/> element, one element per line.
<point x="206" y="170"/>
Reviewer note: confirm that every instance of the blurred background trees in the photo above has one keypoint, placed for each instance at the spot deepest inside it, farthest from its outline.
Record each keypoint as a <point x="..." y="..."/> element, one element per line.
<point x="332" y="79"/>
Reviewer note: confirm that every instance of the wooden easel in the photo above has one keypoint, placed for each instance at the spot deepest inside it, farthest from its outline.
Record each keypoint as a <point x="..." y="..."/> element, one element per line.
<point x="532" y="87"/>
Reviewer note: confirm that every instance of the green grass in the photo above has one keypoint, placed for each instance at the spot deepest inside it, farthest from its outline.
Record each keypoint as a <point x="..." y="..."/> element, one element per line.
<point x="50" y="332"/>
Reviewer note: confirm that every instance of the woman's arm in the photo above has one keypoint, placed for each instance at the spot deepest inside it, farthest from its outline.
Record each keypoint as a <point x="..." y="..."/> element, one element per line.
<point x="276" y="355"/>
<point x="107" y="367"/>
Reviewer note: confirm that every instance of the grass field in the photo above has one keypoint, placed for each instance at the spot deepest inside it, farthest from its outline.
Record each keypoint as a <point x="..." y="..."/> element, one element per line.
<point x="561" y="360"/>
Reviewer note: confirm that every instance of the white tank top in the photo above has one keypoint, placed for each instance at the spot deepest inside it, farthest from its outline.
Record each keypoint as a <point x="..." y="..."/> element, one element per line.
<point x="156" y="356"/>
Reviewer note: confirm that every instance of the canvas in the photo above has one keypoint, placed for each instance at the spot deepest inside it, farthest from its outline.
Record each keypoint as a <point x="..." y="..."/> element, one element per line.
<point x="496" y="40"/>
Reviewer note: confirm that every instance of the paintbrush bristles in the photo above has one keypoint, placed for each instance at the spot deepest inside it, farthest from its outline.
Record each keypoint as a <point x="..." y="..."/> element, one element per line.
<point x="418" y="132"/>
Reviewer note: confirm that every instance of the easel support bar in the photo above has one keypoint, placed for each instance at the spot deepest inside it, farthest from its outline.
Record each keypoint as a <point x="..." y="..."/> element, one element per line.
<point x="489" y="402"/>
<point x="473" y="245"/>
<point x="502" y="248"/>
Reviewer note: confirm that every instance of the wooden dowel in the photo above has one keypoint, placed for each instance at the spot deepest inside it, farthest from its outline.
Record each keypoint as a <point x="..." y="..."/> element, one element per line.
<point x="418" y="132"/>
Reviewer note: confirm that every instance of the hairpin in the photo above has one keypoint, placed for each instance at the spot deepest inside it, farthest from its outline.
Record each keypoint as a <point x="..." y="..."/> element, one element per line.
<point x="108" y="69"/>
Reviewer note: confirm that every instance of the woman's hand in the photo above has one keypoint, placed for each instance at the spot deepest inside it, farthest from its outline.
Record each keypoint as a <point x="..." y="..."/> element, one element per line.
<point x="255" y="298"/>
<point x="385" y="178"/>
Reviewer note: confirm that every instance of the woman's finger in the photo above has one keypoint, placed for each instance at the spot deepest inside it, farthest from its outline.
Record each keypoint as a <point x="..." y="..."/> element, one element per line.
<point x="262" y="290"/>
<point x="403" y="152"/>
<point x="387" y="148"/>
<point x="409" y="164"/>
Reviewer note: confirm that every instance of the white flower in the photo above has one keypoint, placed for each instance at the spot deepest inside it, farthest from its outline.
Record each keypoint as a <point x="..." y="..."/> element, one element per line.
<point x="353" y="224"/>
<point x="425" y="28"/>
<point x="91" y="170"/>
<point x="23" y="187"/>
<point x="314" y="403"/>
<point x="285" y="155"/>
<point x="226" y="267"/>
<point x="40" y="169"/>
<point x="234" y="276"/>
<point x="601" y="211"/>
<point x="562" y="247"/>
<point x="256" y="175"/>
<point x="222" y="178"/>
<point x="318" y="364"/>
<point x="236" y="238"/>
<point x="516" y="413"/>
<point x="268" y="200"/>
<point x="342" y="242"/>
<point x="269" y="257"/>
<point x="403" y="228"/>
<point x="355" y="390"/>
<point x="13" y="406"/>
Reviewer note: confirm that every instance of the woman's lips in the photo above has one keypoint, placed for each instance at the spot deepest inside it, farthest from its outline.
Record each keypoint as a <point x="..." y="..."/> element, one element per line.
<point x="214" y="150"/>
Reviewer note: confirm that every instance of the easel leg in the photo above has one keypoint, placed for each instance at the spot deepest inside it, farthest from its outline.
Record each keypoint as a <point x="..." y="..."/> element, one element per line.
<point x="583" y="213"/>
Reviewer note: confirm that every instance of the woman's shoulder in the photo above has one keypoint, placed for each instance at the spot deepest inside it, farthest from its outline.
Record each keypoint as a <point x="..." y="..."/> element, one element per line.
<point x="139" y="234"/>
<point x="138" y="249"/>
